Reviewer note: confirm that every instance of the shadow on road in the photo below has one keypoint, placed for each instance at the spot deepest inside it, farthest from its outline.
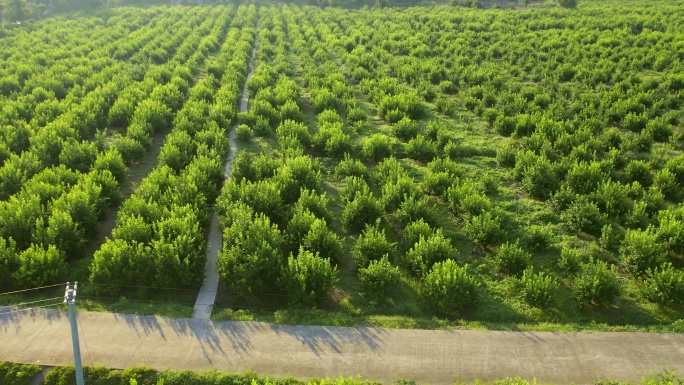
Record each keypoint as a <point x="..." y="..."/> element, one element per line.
<point x="11" y="315"/>
<point x="142" y="325"/>
<point x="234" y="337"/>
<point x="211" y="336"/>
<point x="322" y="338"/>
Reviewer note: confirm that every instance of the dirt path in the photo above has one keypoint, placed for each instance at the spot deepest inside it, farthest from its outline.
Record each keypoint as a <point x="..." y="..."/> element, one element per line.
<point x="207" y="294"/>
<point x="436" y="357"/>
<point x="136" y="173"/>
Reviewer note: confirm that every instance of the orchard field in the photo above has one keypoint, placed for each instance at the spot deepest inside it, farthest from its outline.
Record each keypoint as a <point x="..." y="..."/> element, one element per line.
<point x="402" y="167"/>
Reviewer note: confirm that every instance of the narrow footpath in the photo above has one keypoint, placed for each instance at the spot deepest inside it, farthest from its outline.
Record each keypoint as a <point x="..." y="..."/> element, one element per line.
<point x="207" y="294"/>
<point x="426" y="356"/>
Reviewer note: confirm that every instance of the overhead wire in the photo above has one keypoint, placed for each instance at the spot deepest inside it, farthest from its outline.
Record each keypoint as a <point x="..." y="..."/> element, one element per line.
<point x="32" y="302"/>
<point x="28" y="308"/>
<point x="35" y="288"/>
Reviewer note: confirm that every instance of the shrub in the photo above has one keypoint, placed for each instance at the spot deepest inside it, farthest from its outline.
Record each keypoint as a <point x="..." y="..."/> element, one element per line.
<point x="297" y="173"/>
<point x="539" y="179"/>
<point x="465" y="198"/>
<point x="405" y="129"/>
<point x="350" y="167"/>
<point x="130" y="149"/>
<point x="297" y="228"/>
<point x="18" y="374"/>
<point x="376" y="147"/>
<point x="395" y="192"/>
<point x="421" y="149"/>
<point x="570" y="261"/>
<point x="445" y="106"/>
<point x="338" y="144"/>
<point x="642" y="251"/>
<point x="504" y="125"/>
<point x="485" y="228"/>
<point x="414" y="208"/>
<point x="363" y="210"/>
<point x="676" y="166"/>
<point x="379" y="278"/>
<point x="263" y="197"/>
<point x="638" y="217"/>
<point x="243" y="132"/>
<point x="356" y="115"/>
<point x="505" y="156"/>
<point x="638" y="171"/>
<point x="322" y="241"/>
<point x="539" y="237"/>
<point x="584" y="178"/>
<point x="428" y="251"/>
<point x="353" y="186"/>
<point x="371" y="246"/>
<point x="635" y="122"/>
<point x="316" y="204"/>
<point x="437" y="183"/>
<point x="307" y="279"/>
<point x="413" y="232"/>
<point x="250" y="260"/>
<point x="584" y="215"/>
<point x="112" y="161"/>
<point x="610" y="238"/>
<point x="389" y="170"/>
<point x="39" y="266"/>
<point x="612" y="199"/>
<point x="448" y="287"/>
<point x="664" y="284"/>
<point x="597" y="283"/>
<point x="666" y="182"/>
<point x="671" y="229"/>
<point x="539" y="288"/>
<point x="291" y="128"/>
<point x="511" y="259"/>
<point x="659" y="129"/>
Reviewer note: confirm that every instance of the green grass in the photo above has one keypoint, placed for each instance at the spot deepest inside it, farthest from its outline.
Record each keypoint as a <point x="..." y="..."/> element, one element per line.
<point x="328" y="318"/>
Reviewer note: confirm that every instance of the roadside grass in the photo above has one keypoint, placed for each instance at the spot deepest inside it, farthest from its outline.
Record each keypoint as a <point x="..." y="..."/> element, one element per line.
<point x="326" y="318"/>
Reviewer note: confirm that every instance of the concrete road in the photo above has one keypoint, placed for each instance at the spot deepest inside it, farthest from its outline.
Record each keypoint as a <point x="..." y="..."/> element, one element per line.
<point x="207" y="294"/>
<point x="436" y="357"/>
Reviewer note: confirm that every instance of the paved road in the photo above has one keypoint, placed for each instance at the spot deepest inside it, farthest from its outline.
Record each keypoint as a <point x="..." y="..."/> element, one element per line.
<point x="207" y="294"/>
<point x="436" y="357"/>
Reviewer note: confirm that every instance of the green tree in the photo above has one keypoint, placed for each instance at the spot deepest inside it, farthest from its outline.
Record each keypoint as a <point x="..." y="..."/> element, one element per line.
<point x="251" y="258"/>
<point x="307" y="279"/>
<point x="448" y="287"/>
<point x="371" y="245"/>
<point x="597" y="283"/>
<point x="427" y="252"/>
<point x="511" y="259"/>
<point x="664" y="284"/>
<point x="39" y="266"/>
<point x="363" y="210"/>
<point x="379" y="278"/>
<point x="322" y="241"/>
<point x="539" y="288"/>
<point x="641" y="250"/>
<point x="13" y="10"/>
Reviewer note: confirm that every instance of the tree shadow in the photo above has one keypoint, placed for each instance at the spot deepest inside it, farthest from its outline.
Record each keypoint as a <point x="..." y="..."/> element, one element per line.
<point x="321" y="338"/>
<point x="141" y="324"/>
<point x="11" y="316"/>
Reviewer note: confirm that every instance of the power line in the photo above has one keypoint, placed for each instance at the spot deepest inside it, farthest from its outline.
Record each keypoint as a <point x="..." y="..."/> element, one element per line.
<point x="29" y="308"/>
<point x="28" y="303"/>
<point x="136" y="300"/>
<point x="137" y="287"/>
<point x="35" y="288"/>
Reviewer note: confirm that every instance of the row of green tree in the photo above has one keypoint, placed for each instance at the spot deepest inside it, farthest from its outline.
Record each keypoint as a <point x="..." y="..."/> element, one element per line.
<point x="159" y="237"/>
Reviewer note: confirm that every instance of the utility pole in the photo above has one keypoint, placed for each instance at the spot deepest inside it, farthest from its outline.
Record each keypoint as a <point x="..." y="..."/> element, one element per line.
<point x="70" y="299"/>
